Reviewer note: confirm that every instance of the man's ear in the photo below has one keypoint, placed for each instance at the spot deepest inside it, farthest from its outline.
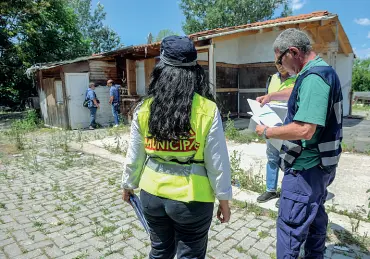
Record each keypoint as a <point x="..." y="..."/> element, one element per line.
<point x="294" y="51"/>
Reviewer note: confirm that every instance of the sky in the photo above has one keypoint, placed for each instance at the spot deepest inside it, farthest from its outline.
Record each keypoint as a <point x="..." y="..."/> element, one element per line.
<point x="133" y="20"/>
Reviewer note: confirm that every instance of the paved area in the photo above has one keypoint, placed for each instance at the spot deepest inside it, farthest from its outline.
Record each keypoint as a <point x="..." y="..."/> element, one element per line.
<point x="58" y="203"/>
<point x="348" y="191"/>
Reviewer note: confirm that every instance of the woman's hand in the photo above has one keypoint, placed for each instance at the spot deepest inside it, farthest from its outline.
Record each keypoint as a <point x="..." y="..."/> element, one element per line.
<point x="126" y="195"/>
<point x="224" y="210"/>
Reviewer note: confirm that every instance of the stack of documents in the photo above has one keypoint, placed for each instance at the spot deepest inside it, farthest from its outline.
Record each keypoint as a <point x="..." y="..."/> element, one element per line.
<point x="266" y="116"/>
<point x="136" y="204"/>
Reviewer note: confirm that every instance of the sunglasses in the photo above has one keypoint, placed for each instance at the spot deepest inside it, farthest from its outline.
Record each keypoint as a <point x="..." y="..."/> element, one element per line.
<point x="279" y="61"/>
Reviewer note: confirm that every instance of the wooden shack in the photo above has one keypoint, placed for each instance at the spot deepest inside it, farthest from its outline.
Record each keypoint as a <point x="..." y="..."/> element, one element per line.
<point x="62" y="85"/>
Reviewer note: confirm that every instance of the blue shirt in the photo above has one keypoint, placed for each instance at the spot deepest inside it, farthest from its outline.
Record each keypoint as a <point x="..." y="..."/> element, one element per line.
<point x="90" y="95"/>
<point x="115" y="93"/>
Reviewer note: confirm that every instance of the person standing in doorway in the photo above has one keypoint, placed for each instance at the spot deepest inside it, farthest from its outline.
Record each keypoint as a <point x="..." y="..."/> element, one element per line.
<point x="114" y="100"/>
<point x="178" y="155"/>
<point x="277" y="82"/>
<point x="312" y="134"/>
<point x="93" y="104"/>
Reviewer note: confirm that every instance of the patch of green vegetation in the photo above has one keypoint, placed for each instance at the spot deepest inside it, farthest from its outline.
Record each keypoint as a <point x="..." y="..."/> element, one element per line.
<point x="38" y="224"/>
<point x="241" y="250"/>
<point x="254" y="208"/>
<point x="104" y="230"/>
<point x="83" y="255"/>
<point x="263" y="234"/>
<point x="19" y="129"/>
<point x="246" y="180"/>
<point x="141" y="256"/>
<point x="347" y="238"/>
<point x="273" y="256"/>
<point x="126" y="234"/>
<point x="357" y="214"/>
<point x="74" y="208"/>
<point x="55" y="186"/>
<point x="360" y="107"/>
<point x="111" y="180"/>
<point x="232" y="133"/>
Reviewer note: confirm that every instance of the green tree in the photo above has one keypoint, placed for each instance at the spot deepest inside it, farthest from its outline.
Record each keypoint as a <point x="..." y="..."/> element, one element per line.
<point x="34" y="32"/>
<point x="361" y="75"/>
<point x="203" y="15"/>
<point x="163" y="34"/>
<point x="91" y="22"/>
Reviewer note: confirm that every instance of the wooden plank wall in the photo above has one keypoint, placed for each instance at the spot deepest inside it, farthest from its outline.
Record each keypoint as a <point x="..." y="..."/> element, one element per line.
<point x="255" y="76"/>
<point x="55" y="113"/>
<point x="227" y="88"/>
<point x="101" y="71"/>
<point x="251" y="78"/>
<point x="149" y="65"/>
<point x="131" y="76"/>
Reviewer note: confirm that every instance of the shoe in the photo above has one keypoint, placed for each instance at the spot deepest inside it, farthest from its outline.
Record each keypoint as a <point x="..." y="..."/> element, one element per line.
<point x="116" y="125"/>
<point x="266" y="196"/>
<point x="91" y="128"/>
<point x="277" y="204"/>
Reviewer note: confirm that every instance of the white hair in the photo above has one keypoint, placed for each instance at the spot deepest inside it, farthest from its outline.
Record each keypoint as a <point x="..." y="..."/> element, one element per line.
<point x="292" y="38"/>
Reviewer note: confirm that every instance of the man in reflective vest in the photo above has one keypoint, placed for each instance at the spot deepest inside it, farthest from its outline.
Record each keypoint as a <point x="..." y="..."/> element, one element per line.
<point x="312" y="134"/>
<point x="276" y="82"/>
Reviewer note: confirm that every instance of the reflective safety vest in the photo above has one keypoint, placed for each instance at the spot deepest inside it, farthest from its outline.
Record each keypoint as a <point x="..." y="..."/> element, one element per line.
<point x="274" y="84"/>
<point x="330" y="138"/>
<point x="175" y="169"/>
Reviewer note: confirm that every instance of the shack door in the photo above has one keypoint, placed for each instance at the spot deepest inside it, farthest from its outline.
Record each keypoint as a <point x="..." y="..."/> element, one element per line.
<point x="76" y="85"/>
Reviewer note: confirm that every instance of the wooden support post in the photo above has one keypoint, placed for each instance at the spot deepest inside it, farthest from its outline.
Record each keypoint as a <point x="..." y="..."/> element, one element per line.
<point x="131" y="76"/>
<point x="212" y="68"/>
<point x="149" y="65"/>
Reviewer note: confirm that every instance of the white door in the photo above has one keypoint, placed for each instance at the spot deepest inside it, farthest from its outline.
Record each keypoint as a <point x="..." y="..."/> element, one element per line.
<point x="76" y="86"/>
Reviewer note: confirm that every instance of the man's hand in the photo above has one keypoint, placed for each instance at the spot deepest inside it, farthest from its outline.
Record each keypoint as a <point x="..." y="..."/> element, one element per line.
<point x="224" y="210"/>
<point x="260" y="129"/>
<point x="264" y="99"/>
<point x="126" y="195"/>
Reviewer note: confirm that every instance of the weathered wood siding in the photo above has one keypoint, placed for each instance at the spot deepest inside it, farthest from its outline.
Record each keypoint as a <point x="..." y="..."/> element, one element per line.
<point x="101" y="71"/>
<point x="252" y="83"/>
<point x="54" y="113"/>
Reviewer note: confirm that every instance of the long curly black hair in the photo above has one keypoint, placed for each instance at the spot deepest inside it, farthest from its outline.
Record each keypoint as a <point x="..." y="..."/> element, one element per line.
<point x="172" y="90"/>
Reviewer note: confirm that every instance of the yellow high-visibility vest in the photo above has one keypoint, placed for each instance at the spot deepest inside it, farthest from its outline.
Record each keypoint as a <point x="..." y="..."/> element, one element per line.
<point x="178" y="181"/>
<point x="276" y="85"/>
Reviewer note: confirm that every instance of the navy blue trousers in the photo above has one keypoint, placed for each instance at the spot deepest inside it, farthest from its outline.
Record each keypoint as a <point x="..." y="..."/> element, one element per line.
<point x="302" y="215"/>
<point x="177" y="227"/>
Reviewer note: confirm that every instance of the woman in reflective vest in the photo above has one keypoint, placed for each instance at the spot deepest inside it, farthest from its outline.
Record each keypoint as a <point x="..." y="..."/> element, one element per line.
<point x="178" y="155"/>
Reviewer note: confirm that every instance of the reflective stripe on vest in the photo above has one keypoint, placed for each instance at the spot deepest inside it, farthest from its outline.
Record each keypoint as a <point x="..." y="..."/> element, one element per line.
<point x="176" y="169"/>
<point x="329" y="146"/>
<point x="289" y="152"/>
<point x="330" y="161"/>
<point x="338" y="111"/>
<point x="177" y="181"/>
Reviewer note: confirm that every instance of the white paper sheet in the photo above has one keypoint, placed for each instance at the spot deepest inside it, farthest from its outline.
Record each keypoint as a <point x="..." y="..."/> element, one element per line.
<point x="266" y="116"/>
